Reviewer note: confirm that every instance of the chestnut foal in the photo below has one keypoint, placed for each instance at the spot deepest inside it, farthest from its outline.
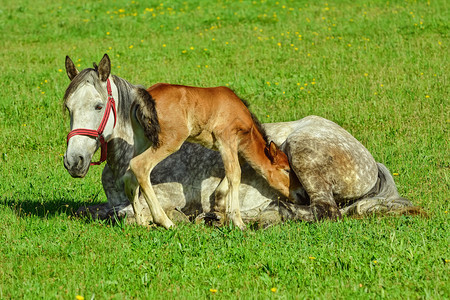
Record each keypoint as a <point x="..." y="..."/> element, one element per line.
<point x="217" y="119"/>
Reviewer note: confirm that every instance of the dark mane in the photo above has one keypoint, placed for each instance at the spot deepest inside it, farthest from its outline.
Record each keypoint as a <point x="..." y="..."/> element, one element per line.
<point x="147" y="116"/>
<point x="257" y="123"/>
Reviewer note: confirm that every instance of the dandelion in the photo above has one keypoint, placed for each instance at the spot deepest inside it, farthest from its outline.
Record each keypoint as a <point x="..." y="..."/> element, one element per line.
<point x="375" y="262"/>
<point x="213" y="291"/>
<point x="131" y="47"/>
<point x="274" y="290"/>
<point x="78" y="297"/>
<point x="427" y="96"/>
<point x="311" y="257"/>
<point x="395" y="174"/>
<point x="164" y="45"/>
<point x="192" y="48"/>
<point x="59" y="70"/>
<point x="366" y="74"/>
<point x="107" y="33"/>
<point x="184" y="51"/>
<point x="302" y="88"/>
<point x="349" y="45"/>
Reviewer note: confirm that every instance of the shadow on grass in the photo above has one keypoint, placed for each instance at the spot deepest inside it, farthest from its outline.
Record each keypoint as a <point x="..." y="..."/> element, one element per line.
<point x="45" y="209"/>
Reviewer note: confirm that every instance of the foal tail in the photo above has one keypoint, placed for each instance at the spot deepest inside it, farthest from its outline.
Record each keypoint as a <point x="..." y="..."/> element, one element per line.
<point x="384" y="199"/>
<point x="147" y="116"/>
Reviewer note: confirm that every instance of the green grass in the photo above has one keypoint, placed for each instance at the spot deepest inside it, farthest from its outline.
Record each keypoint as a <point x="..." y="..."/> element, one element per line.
<point x="377" y="68"/>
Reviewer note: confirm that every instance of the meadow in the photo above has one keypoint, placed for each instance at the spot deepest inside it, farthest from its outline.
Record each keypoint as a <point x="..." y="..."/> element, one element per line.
<point x="377" y="68"/>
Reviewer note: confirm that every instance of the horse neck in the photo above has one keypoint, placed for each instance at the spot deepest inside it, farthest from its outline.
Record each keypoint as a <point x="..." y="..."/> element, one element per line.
<point x="120" y="146"/>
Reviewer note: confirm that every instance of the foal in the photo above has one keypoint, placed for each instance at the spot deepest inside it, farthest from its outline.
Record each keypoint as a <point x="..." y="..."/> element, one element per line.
<point x="215" y="118"/>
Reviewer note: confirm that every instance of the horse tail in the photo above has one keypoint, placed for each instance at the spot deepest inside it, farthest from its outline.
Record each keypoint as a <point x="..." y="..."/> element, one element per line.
<point x="383" y="199"/>
<point x="147" y="116"/>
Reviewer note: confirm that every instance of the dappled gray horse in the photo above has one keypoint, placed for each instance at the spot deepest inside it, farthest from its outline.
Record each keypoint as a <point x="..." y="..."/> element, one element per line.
<point x="338" y="175"/>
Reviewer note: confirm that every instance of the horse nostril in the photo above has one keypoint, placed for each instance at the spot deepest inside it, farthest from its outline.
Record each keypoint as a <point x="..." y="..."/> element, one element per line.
<point x="80" y="161"/>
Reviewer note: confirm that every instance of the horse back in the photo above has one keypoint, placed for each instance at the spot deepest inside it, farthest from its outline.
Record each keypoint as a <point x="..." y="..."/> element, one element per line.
<point x="210" y="109"/>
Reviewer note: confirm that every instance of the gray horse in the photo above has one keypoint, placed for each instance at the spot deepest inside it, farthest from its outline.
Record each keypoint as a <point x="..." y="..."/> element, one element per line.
<point x="337" y="174"/>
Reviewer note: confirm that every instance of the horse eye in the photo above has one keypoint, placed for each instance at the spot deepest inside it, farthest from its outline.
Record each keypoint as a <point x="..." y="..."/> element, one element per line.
<point x="98" y="107"/>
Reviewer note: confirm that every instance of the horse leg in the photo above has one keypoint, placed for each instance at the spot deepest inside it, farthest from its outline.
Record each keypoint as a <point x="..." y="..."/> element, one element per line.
<point x="220" y="195"/>
<point x="132" y="191"/>
<point x="233" y="178"/>
<point x="320" y="193"/>
<point x="143" y="164"/>
<point x="323" y="206"/>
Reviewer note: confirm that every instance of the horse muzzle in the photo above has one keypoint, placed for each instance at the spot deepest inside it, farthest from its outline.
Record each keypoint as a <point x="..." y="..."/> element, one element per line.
<point x="77" y="165"/>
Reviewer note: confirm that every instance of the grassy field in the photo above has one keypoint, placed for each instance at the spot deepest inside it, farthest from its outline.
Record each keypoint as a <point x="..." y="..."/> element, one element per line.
<point x="378" y="68"/>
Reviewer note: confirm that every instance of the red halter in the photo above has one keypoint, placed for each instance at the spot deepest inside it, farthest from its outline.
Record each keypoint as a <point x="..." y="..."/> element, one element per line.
<point x="98" y="134"/>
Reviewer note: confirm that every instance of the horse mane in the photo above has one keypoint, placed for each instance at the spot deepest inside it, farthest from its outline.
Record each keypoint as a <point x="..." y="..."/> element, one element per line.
<point x="257" y="123"/>
<point x="147" y="116"/>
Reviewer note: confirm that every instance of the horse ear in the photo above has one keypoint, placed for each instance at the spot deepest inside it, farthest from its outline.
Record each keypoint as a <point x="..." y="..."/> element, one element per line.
<point x="71" y="70"/>
<point x="272" y="152"/>
<point x="104" y="68"/>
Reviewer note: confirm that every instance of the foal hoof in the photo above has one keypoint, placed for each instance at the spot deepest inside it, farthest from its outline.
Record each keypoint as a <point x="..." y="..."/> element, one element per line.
<point x="323" y="211"/>
<point x="210" y="218"/>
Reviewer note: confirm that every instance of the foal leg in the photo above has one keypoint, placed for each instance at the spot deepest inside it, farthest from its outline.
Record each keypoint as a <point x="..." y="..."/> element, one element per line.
<point x="220" y="195"/>
<point x="142" y="165"/>
<point x="233" y="177"/>
<point x="132" y="191"/>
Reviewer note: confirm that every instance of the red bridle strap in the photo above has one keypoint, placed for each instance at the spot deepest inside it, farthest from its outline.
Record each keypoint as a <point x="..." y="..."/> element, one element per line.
<point x="98" y="134"/>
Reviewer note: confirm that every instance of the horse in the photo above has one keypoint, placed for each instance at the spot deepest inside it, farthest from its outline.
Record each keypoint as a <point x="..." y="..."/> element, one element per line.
<point x="163" y="118"/>
<point x="185" y="182"/>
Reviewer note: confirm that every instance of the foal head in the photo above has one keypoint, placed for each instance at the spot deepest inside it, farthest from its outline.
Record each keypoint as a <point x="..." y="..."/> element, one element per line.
<point x="86" y="100"/>
<point x="280" y="175"/>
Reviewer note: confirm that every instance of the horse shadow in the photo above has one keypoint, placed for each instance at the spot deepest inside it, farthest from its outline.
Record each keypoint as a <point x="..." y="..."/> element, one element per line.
<point x="44" y="209"/>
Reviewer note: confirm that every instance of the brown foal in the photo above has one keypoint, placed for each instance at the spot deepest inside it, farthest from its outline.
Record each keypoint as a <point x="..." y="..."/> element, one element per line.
<point x="217" y="119"/>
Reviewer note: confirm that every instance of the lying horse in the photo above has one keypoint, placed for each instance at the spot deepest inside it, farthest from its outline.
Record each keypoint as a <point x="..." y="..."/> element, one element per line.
<point x="185" y="181"/>
<point x="163" y="118"/>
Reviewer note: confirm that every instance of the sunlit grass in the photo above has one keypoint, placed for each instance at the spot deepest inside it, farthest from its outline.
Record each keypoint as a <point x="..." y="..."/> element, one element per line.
<point x="378" y="68"/>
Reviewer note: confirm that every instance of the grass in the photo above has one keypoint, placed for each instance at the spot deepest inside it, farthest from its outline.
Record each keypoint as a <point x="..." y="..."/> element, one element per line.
<point x="378" y="68"/>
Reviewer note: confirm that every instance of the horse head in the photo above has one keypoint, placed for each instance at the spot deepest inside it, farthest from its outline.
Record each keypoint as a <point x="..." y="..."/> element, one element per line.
<point x="90" y="101"/>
